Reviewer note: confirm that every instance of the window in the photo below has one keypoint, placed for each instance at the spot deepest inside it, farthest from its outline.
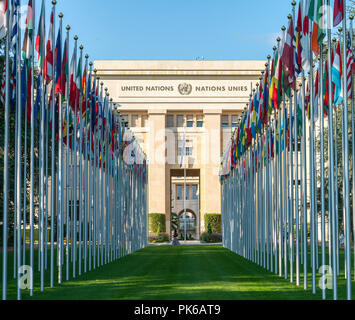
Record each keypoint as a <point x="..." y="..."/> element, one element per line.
<point x="180" y="121"/>
<point x="225" y="121"/>
<point x="194" y="192"/>
<point x="199" y="121"/>
<point x="178" y="192"/>
<point x="234" y="120"/>
<point x="190" y="121"/>
<point x="190" y="222"/>
<point x="187" y="193"/>
<point x="170" y="121"/>
<point x="144" y="121"/>
<point x="188" y="151"/>
<point x="134" y="120"/>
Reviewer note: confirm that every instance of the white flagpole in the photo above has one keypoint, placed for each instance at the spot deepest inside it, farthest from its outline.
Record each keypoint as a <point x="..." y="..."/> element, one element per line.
<point x="6" y="158"/>
<point x="53" y="152"/>
<point x="60" y="172"/>
<point x="18" y="158"/>
<point x="32" y="165"/>
<point x="346" y="167"/>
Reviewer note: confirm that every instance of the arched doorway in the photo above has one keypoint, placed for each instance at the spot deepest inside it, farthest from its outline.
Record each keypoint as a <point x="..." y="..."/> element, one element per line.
<point x="190" y="222"/>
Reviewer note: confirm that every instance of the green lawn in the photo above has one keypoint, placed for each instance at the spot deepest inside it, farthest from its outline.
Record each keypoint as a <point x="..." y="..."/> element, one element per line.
<point x="182" y="272"/>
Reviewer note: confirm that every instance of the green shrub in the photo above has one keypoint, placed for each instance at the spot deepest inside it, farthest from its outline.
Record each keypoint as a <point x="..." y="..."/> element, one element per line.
<point x="211" y="238"/>
<point x="161" y="237"/>
<point x="154" y="220"/>
<point x="215" y="222"/>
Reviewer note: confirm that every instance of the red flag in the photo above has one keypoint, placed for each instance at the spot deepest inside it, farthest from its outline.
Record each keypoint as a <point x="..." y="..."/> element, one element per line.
<point x="288" y="53"/>
<point x="338" y="12"/>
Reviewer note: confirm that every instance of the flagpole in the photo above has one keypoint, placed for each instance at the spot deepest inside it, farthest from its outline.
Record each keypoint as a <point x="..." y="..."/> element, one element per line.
<point x="67" y="159"/>
<point x="80" y="163"/>
<point x="60" y="170"/>
<point x="304" y="211"/>
<point x="86" y="173"/>
<point x="18" y="157"/>
<point x="53" y="150"/>
<point x="6" y="158"/>
<point x="32" y="161"/>
<point x="353" y="133"/>
<point x="346" y="167"/>
<point x="331" y="157"/>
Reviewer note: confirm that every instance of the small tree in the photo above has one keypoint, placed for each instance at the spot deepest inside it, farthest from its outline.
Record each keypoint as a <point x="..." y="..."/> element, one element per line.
<point x="159" y="228"/>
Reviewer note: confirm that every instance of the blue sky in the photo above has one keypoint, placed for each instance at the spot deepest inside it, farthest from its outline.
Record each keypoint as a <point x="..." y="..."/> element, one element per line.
<point x="173" y="29"/>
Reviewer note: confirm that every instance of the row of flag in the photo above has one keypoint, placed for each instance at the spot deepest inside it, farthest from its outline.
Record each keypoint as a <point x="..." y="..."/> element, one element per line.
<point x="292" y="58"/>
<point x="90" y="164"/>
<point x="291" y="175"/>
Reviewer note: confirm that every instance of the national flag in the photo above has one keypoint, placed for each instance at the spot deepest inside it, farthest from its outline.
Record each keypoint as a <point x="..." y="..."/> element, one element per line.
<point x="265" y="98"/>
<point x="307" y="100"/>
<point x="78" y="83"/>
<point x="349" y="65"/>
<point x="316" y="98"/>
<point x="40" y="39"/>
<point x="298" y="42"/>
<point x="73" y="89"/>
<point x="326" y="89"/>
<point x="48" y="65"/>
<point x="275" y="85"/>
<point x="336" y="77"/>
<point x="84" y="93"/>
<point x="28" y="37"/>
<point x="3" y="84"/>
<point x="338" y="14"/>
<point x="305" y="40"/>
<point x="287" y="56"/>
<point x="65" y="68"/>
<point x="58" y="63"/>
<point x="316" y="13"/>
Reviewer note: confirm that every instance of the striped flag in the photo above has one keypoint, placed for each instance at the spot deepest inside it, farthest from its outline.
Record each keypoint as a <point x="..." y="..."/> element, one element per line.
<point x="338" y="12"/>
<point x="28" y="37"/>
<point x="336" y="77"/>
<point x="349" y="65"/>
<point x="40" y="37"/>
<point x="297" y="42"/>
<point x="48" y="65"/>
<point x="3" y="83"/>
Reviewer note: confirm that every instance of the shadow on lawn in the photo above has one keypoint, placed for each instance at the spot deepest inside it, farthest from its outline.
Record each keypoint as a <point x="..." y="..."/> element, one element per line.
<point x="171" y="273"/>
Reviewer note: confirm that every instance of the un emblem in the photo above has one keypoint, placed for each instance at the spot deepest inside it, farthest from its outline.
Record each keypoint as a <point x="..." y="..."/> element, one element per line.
<point x="185" y="89"/>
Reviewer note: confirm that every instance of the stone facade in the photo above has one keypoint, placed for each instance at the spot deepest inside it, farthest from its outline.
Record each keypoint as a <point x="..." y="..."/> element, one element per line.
<point x="162" y="101"/>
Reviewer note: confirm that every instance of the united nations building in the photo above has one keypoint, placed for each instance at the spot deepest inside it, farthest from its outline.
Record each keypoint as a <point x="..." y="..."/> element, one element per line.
<point x="165" y="101"/>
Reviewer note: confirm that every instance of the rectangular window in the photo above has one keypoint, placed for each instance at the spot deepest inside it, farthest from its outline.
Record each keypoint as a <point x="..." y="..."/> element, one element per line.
<point x="180" y="121"/>
<point x="144" y="121"/>
<point x="134" y="120"/>
<point x="199" y="121"/>
<point x="189" y="121"/>
<point x="194" y="192"/>
<point x="187" y="193"/>
<point x="225" y="121"/>
<point x="170" y="121"/>
<point x="178" y="192"/>
<point x="234" y="120"/>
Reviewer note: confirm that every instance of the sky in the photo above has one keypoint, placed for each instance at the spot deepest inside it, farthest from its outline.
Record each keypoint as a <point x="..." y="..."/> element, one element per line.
<point x="173" y="29"/>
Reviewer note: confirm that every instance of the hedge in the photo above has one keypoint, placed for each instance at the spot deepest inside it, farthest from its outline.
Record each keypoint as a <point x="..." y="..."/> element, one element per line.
<point x="215" y="220"/>
<point x="154" y="220"/>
